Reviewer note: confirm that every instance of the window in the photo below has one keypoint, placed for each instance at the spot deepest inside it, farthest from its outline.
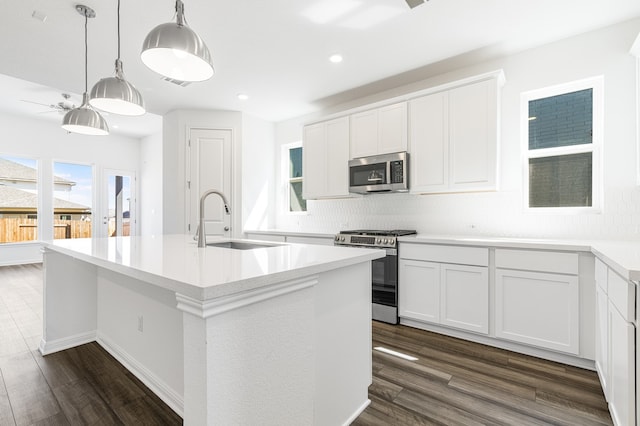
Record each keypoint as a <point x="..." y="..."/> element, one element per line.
<point x="72" y="200"/>
<point x="292" y="159"/>
<point x="18" y="199"/>
<point x="562" y="146"/>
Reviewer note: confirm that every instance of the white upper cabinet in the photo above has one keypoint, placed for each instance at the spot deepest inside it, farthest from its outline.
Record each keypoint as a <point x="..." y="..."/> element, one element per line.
<point x="325" y="156"/>
<point x="379" y="131"/>
<point x="454" y="139"/>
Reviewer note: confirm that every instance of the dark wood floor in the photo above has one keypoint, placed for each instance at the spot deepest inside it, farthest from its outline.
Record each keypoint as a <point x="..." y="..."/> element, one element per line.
<point x="79" y="386"/>
<point x="454" y="382"/>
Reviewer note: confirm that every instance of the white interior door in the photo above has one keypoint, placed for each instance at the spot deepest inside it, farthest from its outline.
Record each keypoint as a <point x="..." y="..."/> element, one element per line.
<point x="209" y="167"/>
<point x="118" y="204"/>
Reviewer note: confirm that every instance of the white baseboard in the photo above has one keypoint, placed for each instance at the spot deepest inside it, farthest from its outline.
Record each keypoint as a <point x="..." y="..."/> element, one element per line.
<point x="170" y="397"/>
<point x="52" y="346"/>
<point x="359" y="411"/>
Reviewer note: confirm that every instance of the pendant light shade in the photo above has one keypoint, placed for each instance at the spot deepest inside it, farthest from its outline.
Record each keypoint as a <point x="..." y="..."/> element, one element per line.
<point x="116" y="94"/>
<point x="84" y="119"/>
<point x="176" y="51"/>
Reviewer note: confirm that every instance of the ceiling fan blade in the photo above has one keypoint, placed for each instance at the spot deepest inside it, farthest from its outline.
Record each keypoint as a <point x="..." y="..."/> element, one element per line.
<point x="414" y="3"/>
<point x="37" y="103"/>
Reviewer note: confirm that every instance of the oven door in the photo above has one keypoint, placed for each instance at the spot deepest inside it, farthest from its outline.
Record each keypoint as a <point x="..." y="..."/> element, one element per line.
<point x="384" y="277"/>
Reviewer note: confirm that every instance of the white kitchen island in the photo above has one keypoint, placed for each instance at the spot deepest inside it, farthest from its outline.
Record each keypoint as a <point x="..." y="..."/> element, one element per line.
<point x="279" y="335"/>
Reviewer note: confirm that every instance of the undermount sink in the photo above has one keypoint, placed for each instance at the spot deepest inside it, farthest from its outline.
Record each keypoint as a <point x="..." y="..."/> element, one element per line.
<point x="241" y="245"/>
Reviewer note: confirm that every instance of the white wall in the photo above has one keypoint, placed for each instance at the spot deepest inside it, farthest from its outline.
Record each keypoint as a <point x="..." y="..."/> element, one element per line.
<point x="150" y="184"/>
<point x="47" y="142"/>
<point x="604" y="52"/>
<point x="258" y="173"/>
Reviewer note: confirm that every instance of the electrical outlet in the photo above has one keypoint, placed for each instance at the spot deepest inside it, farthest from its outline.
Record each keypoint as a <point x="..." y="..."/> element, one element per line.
<point x="140" y="323"/>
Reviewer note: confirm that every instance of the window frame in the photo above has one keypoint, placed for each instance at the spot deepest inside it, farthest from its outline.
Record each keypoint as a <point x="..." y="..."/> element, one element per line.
<point x="287" y="181"/>
<point x="596" y="84"/>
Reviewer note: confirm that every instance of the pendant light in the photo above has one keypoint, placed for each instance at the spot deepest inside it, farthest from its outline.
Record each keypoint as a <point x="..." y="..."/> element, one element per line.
<point x="85" y="119"/>
<point x="116" y="94"/>
<point x="176" y="51"/>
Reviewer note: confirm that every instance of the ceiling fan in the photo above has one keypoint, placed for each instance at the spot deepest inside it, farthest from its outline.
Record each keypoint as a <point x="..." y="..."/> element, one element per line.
<point x="62" y="107"/>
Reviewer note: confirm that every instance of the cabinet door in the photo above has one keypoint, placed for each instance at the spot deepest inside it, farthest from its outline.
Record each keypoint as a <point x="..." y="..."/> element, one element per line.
<point x="337" y="157"/>
<point x="539" y="309"/>
<point x="622" y="378"/>
<point x="314" y="161"/>
<point x="419" y="290"/>
<point x="473" y="136"/>
<point x="464" y="297"/>
<point x="602" y="339"/>
<point x="392" y="128"/>
<point x="429" y="145"/>
<point x="364" y="134"/>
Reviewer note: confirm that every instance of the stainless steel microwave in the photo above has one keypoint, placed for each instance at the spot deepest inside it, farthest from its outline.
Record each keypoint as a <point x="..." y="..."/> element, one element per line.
<point x="379" y="173"/>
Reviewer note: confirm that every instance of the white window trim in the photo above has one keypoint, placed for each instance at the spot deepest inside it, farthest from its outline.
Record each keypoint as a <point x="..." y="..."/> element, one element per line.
<point x="284" y="171"/>
<point x="595" y="83"/>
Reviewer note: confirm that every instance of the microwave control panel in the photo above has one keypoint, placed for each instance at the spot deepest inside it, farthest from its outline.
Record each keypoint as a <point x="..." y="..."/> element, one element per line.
<point x="397" y="171"/>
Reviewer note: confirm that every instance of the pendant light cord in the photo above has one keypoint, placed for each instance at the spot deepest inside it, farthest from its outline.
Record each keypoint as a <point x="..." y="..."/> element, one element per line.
<point x="86" y="53"/>
<point x="118" y="29"/>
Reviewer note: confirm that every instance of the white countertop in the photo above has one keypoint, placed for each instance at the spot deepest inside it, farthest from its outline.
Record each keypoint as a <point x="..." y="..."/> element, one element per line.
<point x="291" y="233"/>
<point x="176" y="263"/>
<point x="621" y="256"/>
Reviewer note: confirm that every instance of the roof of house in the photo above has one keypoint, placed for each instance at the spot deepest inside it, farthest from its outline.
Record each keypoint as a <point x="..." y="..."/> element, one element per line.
<point x="12" y="171"/>
<point x="12" y="198"/>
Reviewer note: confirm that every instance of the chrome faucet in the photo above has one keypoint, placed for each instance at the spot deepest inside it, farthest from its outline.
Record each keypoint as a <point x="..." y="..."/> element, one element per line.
<point x="200" y="232"/>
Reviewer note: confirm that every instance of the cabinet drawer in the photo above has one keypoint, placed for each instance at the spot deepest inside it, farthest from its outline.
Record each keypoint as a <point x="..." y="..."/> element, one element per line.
<point x="534" y="260"/>
<point x="622" y="295"/>
<point x="477" y="256"/>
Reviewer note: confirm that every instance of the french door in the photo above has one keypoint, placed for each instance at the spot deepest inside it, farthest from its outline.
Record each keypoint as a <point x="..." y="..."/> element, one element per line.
<point x="118" y="206"/>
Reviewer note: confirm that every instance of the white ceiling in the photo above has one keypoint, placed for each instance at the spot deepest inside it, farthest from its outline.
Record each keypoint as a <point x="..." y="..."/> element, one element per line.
<point x="275" y="51"/>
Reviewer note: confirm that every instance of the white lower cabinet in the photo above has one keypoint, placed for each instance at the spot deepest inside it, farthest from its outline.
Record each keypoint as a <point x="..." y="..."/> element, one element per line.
<point x="616" y="343"/>
<point x="602" y="338"/>
<point x="464" y="297"/>
<point x="448" y="294"/>
<point x="622" y="375"/>
<point x="539" y="309"/>
<point x="537" y="299"/>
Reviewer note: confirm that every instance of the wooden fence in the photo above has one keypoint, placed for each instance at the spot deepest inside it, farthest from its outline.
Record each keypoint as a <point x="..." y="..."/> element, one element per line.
<point x="17" y="229"/>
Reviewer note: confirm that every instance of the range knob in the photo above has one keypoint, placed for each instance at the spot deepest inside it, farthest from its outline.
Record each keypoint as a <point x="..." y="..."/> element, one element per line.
<point x="342" y="239"/>
<point x="337" y="238"/>
<point x="379" y="241"/>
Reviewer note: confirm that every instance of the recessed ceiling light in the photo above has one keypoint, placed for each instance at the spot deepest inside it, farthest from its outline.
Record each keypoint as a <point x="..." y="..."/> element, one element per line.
<point x="336" y="59"/>
<point x="243" y="96"/>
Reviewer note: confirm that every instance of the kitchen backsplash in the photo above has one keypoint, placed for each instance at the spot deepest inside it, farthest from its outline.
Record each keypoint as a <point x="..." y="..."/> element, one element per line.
<point x="488" y="214"/>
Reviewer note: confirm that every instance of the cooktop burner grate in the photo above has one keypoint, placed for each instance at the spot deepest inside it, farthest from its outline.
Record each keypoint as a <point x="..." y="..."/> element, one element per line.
<point x="381" y="233"/>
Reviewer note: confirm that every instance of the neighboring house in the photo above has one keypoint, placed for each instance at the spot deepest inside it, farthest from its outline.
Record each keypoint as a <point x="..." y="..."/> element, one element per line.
<point x="18" y="198"/>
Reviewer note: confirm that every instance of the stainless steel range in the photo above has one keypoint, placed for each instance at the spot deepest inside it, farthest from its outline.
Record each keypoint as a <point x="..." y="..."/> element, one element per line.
<point x="384" y="274"/>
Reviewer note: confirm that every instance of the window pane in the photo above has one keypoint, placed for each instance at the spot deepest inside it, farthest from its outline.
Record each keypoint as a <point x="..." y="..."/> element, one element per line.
<point x="119" y="193"/>
<point x="296" y="202"/>
<point x="72" y="200"/>
<point x="561" y="181"/>
<point x="295" y="163"/>
<point x="18" y="199"/>
<point x="561" y="120"/>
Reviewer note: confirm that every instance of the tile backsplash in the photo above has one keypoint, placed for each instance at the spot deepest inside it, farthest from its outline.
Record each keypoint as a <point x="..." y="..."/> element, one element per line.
<point x="484" y="213"/>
